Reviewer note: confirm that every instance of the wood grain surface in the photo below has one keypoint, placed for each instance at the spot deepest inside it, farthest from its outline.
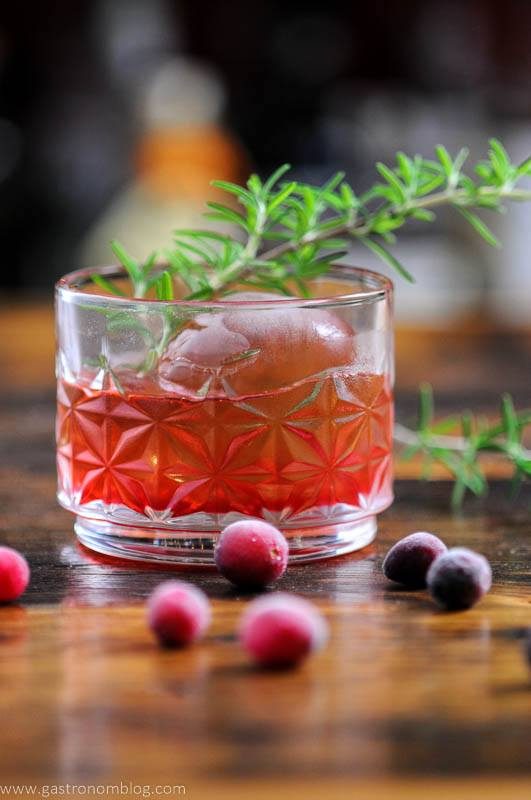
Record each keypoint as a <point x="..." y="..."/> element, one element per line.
<point x="406" y="701"/>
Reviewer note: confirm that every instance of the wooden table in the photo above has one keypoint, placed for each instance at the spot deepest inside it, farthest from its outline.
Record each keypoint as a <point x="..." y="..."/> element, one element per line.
<point x="406" y="701"/>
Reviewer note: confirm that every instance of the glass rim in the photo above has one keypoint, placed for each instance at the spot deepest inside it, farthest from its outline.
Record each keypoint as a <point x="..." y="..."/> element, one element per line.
<point x="378" y="287"/>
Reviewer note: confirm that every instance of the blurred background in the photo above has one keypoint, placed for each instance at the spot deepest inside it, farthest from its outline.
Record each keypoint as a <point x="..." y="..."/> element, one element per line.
<point x="116" y="114"/>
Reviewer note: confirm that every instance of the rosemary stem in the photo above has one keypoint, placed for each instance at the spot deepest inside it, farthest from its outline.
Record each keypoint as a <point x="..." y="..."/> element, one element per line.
<point x="358" y="229"/>
<point x="407" y="437"/>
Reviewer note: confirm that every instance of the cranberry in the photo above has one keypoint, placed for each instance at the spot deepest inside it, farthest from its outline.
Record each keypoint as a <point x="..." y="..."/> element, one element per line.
<point x="178" y="613"/>
<point x="251" y="553"/>
<point x="280" y="630"/>
<point x="14" y="574"/>
<point x="459" y="578"/>
<point x="409" y="559"/>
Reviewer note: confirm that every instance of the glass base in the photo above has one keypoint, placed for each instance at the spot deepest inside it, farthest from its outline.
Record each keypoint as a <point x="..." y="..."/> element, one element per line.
<point x="193" y="547"/>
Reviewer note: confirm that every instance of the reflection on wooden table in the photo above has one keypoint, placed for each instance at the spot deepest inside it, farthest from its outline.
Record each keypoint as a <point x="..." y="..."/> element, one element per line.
<point x="406" y="701"/>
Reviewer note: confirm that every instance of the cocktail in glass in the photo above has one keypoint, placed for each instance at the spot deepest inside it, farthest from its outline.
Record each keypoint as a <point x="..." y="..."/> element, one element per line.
<point x="176" y="418"/>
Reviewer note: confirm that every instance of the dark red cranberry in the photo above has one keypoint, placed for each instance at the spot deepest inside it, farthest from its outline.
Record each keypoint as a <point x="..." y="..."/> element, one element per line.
<point x="408" y="561"/>
<point x="459" y="578"/>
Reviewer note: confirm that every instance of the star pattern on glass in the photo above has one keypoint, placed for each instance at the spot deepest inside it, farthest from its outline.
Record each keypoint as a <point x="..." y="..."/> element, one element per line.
<point x="318" y="444"/>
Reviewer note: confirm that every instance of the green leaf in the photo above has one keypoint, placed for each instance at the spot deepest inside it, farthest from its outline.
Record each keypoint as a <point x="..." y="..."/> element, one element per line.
<point x="274" y="178"/>
<point x="478" y="225"/>
<point x="429" y="185"/>
<point x="423" y="214"/>
<point x="460" y="159"/>
<point x="499" y="159"/>
<point x="490" y="202"/>
<point x="128" y="321"/>
<point x="107" y="285"/>
<point x="376" y="192"/>
<point x="387" y="257"/>
<point x="281" y="197"/>
<point x="244" y="196"/>
<point x="510" y="420"/>
<point x="445" y="425"/>
<point x="395" y="184"/>
<point x="226" y="214"/>
<point x="302" y="287"/>
<point x="202" y="234"/>
<point x="469" y="186"/>
<point x="425" y="406"/>
<point x="474" y="480"/>
<point x="332" y="183"/>
<point x="255" y="184"/>
<point x="387" y="223"/>
<point x="332" y="201"/>
<point x="445" y="159"/>
<point x="466" y="424"/>
<point x="205" y="253"/>
<point x="524" y="168"/>
<point x="164" y="286"/>
<point x="405" y="165"/>
<point x="309" y="222"/>
<point x="334" y="244"/>
<point x="150" y="262"/>
<point x="484" y="170"/>
<point x="409" y="452"/>
<point x="329" y="258"/>
<point x="130" y="264"/>
<point x="347" y="195"/>
<point x="458" y="493"/>
<point x="524" y="465"/>
<point x="202" y="294"/>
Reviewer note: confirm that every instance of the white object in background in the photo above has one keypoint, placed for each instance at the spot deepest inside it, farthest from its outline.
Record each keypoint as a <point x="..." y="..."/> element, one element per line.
<point x="448" y="284"/>
<point x="509" y="293"/>
<point x="183" y="91"/>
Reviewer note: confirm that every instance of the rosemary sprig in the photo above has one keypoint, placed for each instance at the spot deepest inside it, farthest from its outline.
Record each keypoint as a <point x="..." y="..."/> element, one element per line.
<point x="460" y="454"/>
<point x="312" y="226"/>
<point x="292" y="232"/>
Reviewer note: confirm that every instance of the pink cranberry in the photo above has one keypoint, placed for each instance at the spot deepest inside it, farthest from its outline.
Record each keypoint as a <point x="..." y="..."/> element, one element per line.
<point x="251" y="553"/>
<point x="459" y="578"/>
<point x="408" y="561"/>
<point x="178" y="613"/>
<point x="14" y="574"/>
<point x="280" y="630"/>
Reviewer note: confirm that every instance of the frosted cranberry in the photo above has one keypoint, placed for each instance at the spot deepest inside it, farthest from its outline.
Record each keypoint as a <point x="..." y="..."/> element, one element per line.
<point x="251" y="553"/>
<point x="459" y="578"/>
<point x="14" y="574"/>
<point x="280" y="630"/>
<point x="409" y="559"/>
<point x="178" y="613"/>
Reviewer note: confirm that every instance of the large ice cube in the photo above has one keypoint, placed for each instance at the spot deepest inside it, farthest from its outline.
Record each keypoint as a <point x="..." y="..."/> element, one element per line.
<point x="242" y="352"/>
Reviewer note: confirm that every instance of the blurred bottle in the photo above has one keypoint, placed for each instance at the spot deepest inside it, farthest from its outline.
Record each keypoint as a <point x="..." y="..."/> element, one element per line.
<point x="182" y="147"/>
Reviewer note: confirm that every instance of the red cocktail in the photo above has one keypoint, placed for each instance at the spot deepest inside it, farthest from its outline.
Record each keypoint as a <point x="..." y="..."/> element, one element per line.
<point x="260" y="407"/>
